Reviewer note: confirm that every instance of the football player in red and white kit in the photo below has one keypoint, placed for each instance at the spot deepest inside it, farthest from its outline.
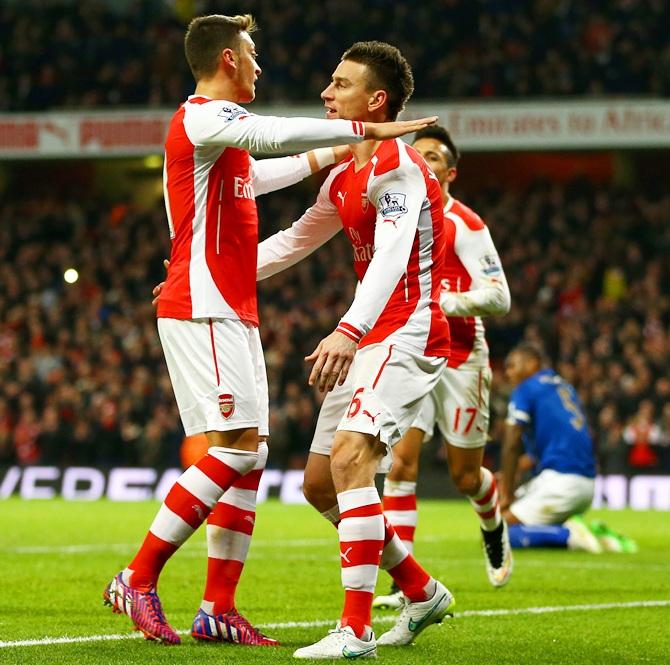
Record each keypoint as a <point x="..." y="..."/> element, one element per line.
<point x="390" y="205"/>
<point x="207" y="314"/>
<point x="474" y="285"/>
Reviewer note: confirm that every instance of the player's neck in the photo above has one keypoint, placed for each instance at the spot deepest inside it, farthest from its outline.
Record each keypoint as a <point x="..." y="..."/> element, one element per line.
<point x="217" y="88"/>
<point x="363" y="152"/>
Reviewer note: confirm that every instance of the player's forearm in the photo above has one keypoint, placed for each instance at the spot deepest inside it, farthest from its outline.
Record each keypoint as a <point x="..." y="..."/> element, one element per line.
<point x="492" y="300"/>
<point x="267" y="134"/>
<point x="288" y="247"/>
<point x="269" y="175"/>
<point x="511" y="452"/>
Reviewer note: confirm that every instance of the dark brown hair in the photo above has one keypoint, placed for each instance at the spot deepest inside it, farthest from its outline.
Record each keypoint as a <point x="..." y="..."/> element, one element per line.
<point x="388" y="69"/>
<point x="442" y="135"/>
<point x="207" y="36"/>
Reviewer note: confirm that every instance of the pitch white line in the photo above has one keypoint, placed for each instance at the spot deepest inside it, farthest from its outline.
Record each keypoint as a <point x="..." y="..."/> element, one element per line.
<point x="85" y="549"/>
<point x="47" y="641"/>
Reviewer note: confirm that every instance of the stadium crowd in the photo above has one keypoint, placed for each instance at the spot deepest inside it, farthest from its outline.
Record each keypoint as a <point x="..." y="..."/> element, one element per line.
<point x="61" y="53"/>
<point x="83" y="380"/>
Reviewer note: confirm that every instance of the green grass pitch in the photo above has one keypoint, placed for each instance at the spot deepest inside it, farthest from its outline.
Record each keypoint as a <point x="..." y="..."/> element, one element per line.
<point x="56" y="557"/>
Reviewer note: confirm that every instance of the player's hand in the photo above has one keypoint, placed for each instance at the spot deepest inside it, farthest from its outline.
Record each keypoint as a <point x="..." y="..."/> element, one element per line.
<point x="332" y="359"/>
<point x="381" y="131"/>
<point x="159" y="287"/>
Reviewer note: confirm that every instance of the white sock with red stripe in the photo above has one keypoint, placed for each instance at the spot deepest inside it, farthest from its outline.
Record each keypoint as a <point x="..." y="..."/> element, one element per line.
<point x="485" y="502"/>
<point x="185" y="508"/>
<point x="229" y="529"/>
<point x="400" y="509"/>
<point x="405" y="570"/>
<point x="361" y="531"/>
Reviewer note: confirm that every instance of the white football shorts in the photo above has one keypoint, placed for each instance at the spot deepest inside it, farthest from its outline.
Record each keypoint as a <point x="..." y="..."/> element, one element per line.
<point x="552" y="497"/>
<point x="217" y="372"/>
<point x="459" y="405"/>
<point x="382" y="395"/>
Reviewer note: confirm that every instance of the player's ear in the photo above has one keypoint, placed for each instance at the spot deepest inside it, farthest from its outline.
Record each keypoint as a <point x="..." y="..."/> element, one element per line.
<point x="377" y="100"/>
<point x="228" y="58"/>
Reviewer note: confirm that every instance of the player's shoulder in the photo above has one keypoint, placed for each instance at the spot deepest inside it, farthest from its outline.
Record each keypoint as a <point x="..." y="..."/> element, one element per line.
<point x="221" y="108"/>
<point x="396" y="155"/>
<point x="386" y="158"/>
<point x="458" y="211"/>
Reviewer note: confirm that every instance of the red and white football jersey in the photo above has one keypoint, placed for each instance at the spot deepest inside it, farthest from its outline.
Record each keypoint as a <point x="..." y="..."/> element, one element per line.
<point x="474" y="284"/>
<point x="210" y="183"/>
<point x="391" y="211"/>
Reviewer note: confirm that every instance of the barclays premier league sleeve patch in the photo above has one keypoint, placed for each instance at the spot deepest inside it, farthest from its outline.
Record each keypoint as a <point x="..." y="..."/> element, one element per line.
<point x="229" y="113"/>
<point x="392" y="206"/>
<point x="490" y="264"/>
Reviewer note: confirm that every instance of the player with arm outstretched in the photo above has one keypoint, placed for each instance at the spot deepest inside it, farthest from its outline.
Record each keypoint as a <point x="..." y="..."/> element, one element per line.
<point x="474" y="286"/>
<point x="389" y="204"/>
<point x="207" y="312"/>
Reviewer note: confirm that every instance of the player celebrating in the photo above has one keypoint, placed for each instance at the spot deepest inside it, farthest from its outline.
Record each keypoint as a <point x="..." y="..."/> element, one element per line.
<point x="390" y="205"/>
<point x="474" y="285"/>
<point x="546" y="417"/>
<point x="207" y="312"/>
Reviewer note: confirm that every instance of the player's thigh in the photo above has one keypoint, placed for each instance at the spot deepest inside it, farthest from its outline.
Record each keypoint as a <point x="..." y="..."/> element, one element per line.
<point x="215" y="373"/>
<point x="464" y="462"/>
<point x="388" y="385"/>
<point x="462" y="399"/>
<point x="332" y="409"/>
<point x="552" y="497"/>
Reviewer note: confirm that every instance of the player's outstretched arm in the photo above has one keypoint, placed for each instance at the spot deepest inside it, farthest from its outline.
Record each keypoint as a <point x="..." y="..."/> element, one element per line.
<point x="269" y="175"/>
<point x="380" y="131"/>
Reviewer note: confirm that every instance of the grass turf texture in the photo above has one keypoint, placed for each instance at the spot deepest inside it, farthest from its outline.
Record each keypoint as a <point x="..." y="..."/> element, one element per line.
<point x="56" y="557"/>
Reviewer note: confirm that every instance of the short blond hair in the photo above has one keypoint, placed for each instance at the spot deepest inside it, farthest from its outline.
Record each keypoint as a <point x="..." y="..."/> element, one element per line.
<point x="207" y="36"/>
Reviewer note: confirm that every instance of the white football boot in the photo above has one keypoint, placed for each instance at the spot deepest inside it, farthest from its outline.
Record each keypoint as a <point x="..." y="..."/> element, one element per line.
<point x="340" y="643"/>
<point x="416" y="617"/>
<point x="498" y="555"/>
<point x="391" y="601"/>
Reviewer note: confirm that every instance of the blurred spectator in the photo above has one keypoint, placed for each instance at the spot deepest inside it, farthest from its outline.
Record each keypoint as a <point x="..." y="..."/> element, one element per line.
<point x="82" y="375"/>
<point x="643" y="435"/>
<point x="87" y="53"/>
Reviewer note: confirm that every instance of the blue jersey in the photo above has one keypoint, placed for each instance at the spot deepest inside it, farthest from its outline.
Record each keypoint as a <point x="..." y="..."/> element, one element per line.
<point x="555" y="430"/>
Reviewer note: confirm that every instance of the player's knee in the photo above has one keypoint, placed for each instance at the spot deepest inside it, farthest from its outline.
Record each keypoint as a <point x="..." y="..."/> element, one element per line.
<point x="346" y="454"/>
<point x="467" y="481"/>
<point x="404" y="468"/>
<point x="313" y="491"/>
<point x="342" y="459"/>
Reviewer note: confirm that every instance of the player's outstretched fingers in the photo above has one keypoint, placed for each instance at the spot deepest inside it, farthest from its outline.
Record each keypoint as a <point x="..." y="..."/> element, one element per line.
<point x="334" y="374"/>
<point x="344" y="371"/>
<point x="156" y="292"/>
<point x="318" y="367"/>
<point x="391" y="130"/>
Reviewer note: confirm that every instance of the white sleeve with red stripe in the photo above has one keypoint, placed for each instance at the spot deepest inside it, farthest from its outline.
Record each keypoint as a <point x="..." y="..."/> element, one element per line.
<point x="286" y="248"/>
<point x="489" y="293"/>
<point x="395" y="231"/>
<point x="222" y="123"/>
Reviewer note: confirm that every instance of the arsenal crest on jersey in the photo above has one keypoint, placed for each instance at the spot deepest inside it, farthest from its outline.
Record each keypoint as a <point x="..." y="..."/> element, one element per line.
<point x="227" y="405"/>
<point x="364" y="201"/>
